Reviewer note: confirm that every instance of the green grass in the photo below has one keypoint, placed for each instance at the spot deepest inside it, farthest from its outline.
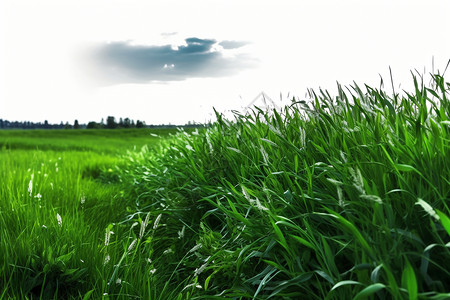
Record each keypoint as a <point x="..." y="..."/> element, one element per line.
<point x="46" y="174"/>
<point x="335" y="198"/>
<point x="341" y="197"/>
<point x="99" y="140"/>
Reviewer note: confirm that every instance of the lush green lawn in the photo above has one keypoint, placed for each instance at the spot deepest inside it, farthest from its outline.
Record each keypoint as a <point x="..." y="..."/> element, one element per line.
<point x="56" y="202"/>
<point x="333" y="198"/>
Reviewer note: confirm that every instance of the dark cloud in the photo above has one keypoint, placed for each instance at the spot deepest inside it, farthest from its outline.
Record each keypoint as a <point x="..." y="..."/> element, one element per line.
<point x="232" y="44"/>
<point x="123" y="62"/>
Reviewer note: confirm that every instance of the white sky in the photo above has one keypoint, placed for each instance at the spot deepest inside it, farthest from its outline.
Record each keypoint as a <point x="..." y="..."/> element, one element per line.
<point x="298" y="44"/>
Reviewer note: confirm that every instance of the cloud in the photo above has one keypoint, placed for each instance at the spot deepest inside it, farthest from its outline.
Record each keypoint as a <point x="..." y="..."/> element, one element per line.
<point x="124" y="62"/>
<point x="168" y="34"/>
<point x="232" y="44"/>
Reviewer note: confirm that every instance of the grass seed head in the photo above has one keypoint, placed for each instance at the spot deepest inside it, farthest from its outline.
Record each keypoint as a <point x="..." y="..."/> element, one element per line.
<point x="428" y="209"/>
<point x="107" y="259"/>
<point x="108" y="234"/>
<point x="158" y="218"/>
<point x="131" y="247"/>
<point x="144" y="225"/>
<point x="195" y="248"/>
<point x="59" y="219"/>
<point x="30" y="186"/>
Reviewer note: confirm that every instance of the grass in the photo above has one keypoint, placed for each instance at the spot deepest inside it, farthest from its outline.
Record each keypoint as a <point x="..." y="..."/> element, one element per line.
<point x="335" y="198"/>
<point x="106" y="141"/>
<point x="57" y="199"/>
<point x="341" y="197"/>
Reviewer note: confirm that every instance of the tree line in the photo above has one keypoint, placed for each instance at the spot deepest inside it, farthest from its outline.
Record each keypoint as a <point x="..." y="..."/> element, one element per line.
<point x="111" y="123"/>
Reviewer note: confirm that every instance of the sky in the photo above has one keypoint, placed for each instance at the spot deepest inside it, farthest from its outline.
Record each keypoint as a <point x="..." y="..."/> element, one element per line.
<point x="173" y="61"/>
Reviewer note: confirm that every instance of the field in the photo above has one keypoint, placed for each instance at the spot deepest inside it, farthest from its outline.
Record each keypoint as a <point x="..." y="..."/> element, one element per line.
<point x="57" y="199"/>
<point x="341" y="197"/>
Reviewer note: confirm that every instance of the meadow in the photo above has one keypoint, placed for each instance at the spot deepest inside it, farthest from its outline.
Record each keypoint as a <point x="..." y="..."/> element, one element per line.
<point x="56" y="200"/>
<point x="333" y="197"/>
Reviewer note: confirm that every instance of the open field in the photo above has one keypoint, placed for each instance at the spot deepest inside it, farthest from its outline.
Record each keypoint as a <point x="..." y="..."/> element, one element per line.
<point x="99" y="140"/>
<point x="46" y="174"/>
<point x="337" y="198"/>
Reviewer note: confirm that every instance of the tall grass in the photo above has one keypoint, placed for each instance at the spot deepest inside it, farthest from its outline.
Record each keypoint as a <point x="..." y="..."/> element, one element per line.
<point x="332" y="198"/>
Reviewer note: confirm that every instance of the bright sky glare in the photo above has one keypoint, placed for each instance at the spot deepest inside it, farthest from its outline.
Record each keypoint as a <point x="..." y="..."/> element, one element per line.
<point x="169" y="61"/>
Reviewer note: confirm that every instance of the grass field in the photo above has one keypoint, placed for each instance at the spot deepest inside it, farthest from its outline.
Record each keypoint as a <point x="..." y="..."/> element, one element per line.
<point x="341" y="197"/>
<point x="57" y="200"/>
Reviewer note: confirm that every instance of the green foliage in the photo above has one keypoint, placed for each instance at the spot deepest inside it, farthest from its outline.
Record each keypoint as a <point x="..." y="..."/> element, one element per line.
<point x="316" y="201"/>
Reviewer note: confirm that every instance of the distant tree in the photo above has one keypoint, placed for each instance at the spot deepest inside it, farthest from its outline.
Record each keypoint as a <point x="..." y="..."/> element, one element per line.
<point x="1" y="123"/>
<point x="46" y="124"/>
<point x="111" y="122"/>
<point x="67" y="126"/>
<point x="140" y="124"/>
<point x="121" y="123"/>
<point x="133" y="125"/>
<point x="93" y="125"/>
<point x="76" y="125"/>
<point x="126" y="123"/>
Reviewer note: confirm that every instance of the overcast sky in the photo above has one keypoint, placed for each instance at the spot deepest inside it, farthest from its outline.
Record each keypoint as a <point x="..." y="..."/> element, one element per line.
<point x="173" y="61"/>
